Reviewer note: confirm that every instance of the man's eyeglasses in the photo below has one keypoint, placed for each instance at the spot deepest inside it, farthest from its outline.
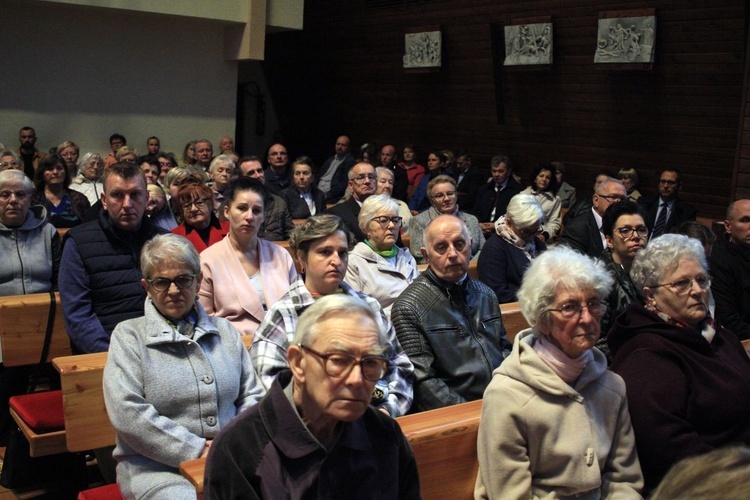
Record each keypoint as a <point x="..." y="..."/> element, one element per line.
<point x="571" y="310"/>
<point x="440" y="196"/>
<point x="9" y="164"/>
<point x="363" y="177"/>
<point x="627" y="231"/>
<point x="20" y="195"/>
<point x="684" y="285"/>
<point x="667" y="182"/>
<point x="162" y="284"/>
<point x="383" y="220"/>
<point x="612" y="198"/>
<point x="199" y="204"/>
<point x="339" y="364"/>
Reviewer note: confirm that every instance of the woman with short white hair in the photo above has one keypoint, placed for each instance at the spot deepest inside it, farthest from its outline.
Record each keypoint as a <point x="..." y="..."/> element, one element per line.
<point x="89" y="179"/>
<point x="386" y="180"/>
<point x="377" y="267"/>
<point x="509" y="252"/>
<point x="555" y="421"/>
<point x="220" y="171"/>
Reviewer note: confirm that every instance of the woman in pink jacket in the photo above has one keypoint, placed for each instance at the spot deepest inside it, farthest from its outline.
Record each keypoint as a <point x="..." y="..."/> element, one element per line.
<point x="243" y="275"/>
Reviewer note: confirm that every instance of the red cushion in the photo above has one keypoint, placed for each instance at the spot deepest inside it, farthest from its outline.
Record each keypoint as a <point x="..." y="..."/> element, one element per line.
<point x="108" y="492"/>
<point x="42" y="411"/>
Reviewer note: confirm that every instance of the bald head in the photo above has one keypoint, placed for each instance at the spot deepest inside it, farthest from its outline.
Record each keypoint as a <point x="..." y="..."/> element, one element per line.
<point x="447" y="247"/>
<point x="737" y="224"/>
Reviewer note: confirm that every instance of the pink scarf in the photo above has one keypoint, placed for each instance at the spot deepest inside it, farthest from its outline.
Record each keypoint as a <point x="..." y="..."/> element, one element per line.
<point x="568" y="369"/>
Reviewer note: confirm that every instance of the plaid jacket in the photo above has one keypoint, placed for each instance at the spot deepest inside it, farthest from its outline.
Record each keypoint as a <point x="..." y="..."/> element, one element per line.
<point x="276" y="332"/>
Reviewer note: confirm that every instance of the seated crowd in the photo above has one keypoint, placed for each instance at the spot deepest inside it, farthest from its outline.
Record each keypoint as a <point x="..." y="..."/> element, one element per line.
<point x="632" y="361"/>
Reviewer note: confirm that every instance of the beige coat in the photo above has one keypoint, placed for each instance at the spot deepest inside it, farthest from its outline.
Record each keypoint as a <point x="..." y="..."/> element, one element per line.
<point x="541" y="438"/>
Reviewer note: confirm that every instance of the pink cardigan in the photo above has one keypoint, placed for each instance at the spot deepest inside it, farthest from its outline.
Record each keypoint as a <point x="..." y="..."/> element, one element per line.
<point x="226" y="290"/>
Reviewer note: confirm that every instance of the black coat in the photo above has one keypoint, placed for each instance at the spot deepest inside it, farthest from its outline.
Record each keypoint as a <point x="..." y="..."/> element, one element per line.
<point x="349" y="211"/>
<point x="486" y="200"/>
<point x="681" y="212"/>
<point x="298" y="207"/>
<point x="582" y="234"/>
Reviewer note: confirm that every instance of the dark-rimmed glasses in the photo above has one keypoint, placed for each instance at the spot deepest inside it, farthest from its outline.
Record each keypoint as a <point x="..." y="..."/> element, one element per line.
<point x="571" y="310"/>
<point x="182" y="282"/>
<point x="627" y="231"/>
<point x="684" y="285"/>
<point x="199" y="204"/>
<point x="340" y="364"/>
<point x="384" y="220"/>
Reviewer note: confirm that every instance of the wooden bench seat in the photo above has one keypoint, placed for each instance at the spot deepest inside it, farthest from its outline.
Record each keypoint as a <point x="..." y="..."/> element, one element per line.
<point x="444" y="443"/>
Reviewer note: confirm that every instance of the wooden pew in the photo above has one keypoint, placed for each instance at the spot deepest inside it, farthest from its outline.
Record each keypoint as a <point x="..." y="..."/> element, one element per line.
<point x="444" y="443"/>
<point x="23" y="324"/>
<point x="513" y="320"/>
<point x="87" y="424"/>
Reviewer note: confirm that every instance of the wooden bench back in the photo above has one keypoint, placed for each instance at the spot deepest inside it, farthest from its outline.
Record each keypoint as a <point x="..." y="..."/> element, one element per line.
<point x="86" y="421"/>
<point x="23" y="324"/>
<point x="513" y="320"/>
<point x="444" y="443"/>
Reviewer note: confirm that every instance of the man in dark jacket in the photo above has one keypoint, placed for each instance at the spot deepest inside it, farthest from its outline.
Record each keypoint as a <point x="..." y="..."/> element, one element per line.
<point x="362" y="183"/>
<point x="492" y="198"/>
<point x="667" y="210"/>
<point x="448" y="323"/>
<point x="730" y="270"/>
<point x="100" y="274"/>
<point x="332" y="176"/>
<point x="314" y="435"/>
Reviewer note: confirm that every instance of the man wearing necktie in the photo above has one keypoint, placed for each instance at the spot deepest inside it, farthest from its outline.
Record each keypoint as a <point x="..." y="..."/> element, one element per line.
<point x="666" y="210"/>
<point x="493" y="197"/>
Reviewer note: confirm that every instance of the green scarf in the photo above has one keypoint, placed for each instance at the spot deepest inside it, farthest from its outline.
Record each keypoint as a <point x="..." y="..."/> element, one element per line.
<point x="387" y="254"/>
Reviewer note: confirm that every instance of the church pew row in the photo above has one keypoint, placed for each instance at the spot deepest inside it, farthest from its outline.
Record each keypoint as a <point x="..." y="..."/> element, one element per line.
<point x="23" y="326"/>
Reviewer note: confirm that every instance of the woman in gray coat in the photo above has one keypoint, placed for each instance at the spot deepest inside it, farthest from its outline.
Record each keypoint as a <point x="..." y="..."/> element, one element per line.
<point x="174" y="377"/>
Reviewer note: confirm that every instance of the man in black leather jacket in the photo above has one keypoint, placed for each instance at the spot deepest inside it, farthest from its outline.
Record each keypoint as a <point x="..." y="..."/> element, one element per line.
<point x="448" y="323"/>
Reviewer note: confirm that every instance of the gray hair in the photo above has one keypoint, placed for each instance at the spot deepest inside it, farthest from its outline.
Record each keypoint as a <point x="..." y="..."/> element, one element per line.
<point x="440" y="179"/>
<point x="373" y="205"/>
<point x="600" y="188"/>
<point x="350" y="174"/>
<point x="525" y="211"/>
<point x="498" y="159"/>
<point x="384" y="170"/>
<point x="13" y="176"/>
<point x="336" y="306"/>
<point x="9" y="152"/>
<point x="662" y="255"/>
<point x="176" y="174"/>
<point x="221" y="160"/>
<point x="559" y="267"/>
<point x="86" y="158"/>
<point x="169" y="249"/>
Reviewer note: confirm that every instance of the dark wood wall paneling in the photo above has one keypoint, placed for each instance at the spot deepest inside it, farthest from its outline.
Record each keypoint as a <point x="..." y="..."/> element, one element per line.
<point x="344" y="72"/>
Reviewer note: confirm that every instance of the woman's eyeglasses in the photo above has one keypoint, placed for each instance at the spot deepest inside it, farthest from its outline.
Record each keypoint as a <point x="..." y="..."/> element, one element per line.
<point x="571" y="310"/>
<point x="627" y="231"/>
<point x="162" y="284"/>
<point x="199" y="204"/>
<point x="684" y="285"/>
<point x="383" y="220"/>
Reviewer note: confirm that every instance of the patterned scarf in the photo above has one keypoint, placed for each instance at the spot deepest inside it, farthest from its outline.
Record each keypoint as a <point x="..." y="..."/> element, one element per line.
<point x="706" y="326"/>
<point x="505" y="233"/>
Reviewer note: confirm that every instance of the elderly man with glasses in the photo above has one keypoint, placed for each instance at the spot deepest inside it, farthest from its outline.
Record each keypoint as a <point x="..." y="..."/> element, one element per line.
<point x="584" y="233"/>
<point x="362" y="183"/>
<point x="314" y="434"/>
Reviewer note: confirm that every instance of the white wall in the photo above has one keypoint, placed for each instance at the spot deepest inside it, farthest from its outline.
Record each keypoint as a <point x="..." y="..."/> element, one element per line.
<point x="84" y="73"/>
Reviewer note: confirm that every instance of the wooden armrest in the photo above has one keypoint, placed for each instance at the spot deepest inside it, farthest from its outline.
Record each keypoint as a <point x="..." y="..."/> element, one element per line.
<point x="86" y="420"/>
<point x="193" y="471"/>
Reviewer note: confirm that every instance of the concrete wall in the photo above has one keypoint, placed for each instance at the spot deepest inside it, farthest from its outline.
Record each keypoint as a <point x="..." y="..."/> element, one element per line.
<point x="82" y="73"/>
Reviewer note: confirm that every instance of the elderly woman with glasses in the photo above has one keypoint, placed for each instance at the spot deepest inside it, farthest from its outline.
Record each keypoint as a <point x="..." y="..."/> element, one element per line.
<point x="377" y="267"/>
<point x="321" y="247"/>
<point x="89" y="179"/>
<point x="443" y="196"/>
<point x="200" y="225"/>
<point x="689" y="377"/>
<point x="174" y="377"/>
<point x="509" y="252"/>
<point x="9" y="161"/>
<point x="555" y="421"/>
